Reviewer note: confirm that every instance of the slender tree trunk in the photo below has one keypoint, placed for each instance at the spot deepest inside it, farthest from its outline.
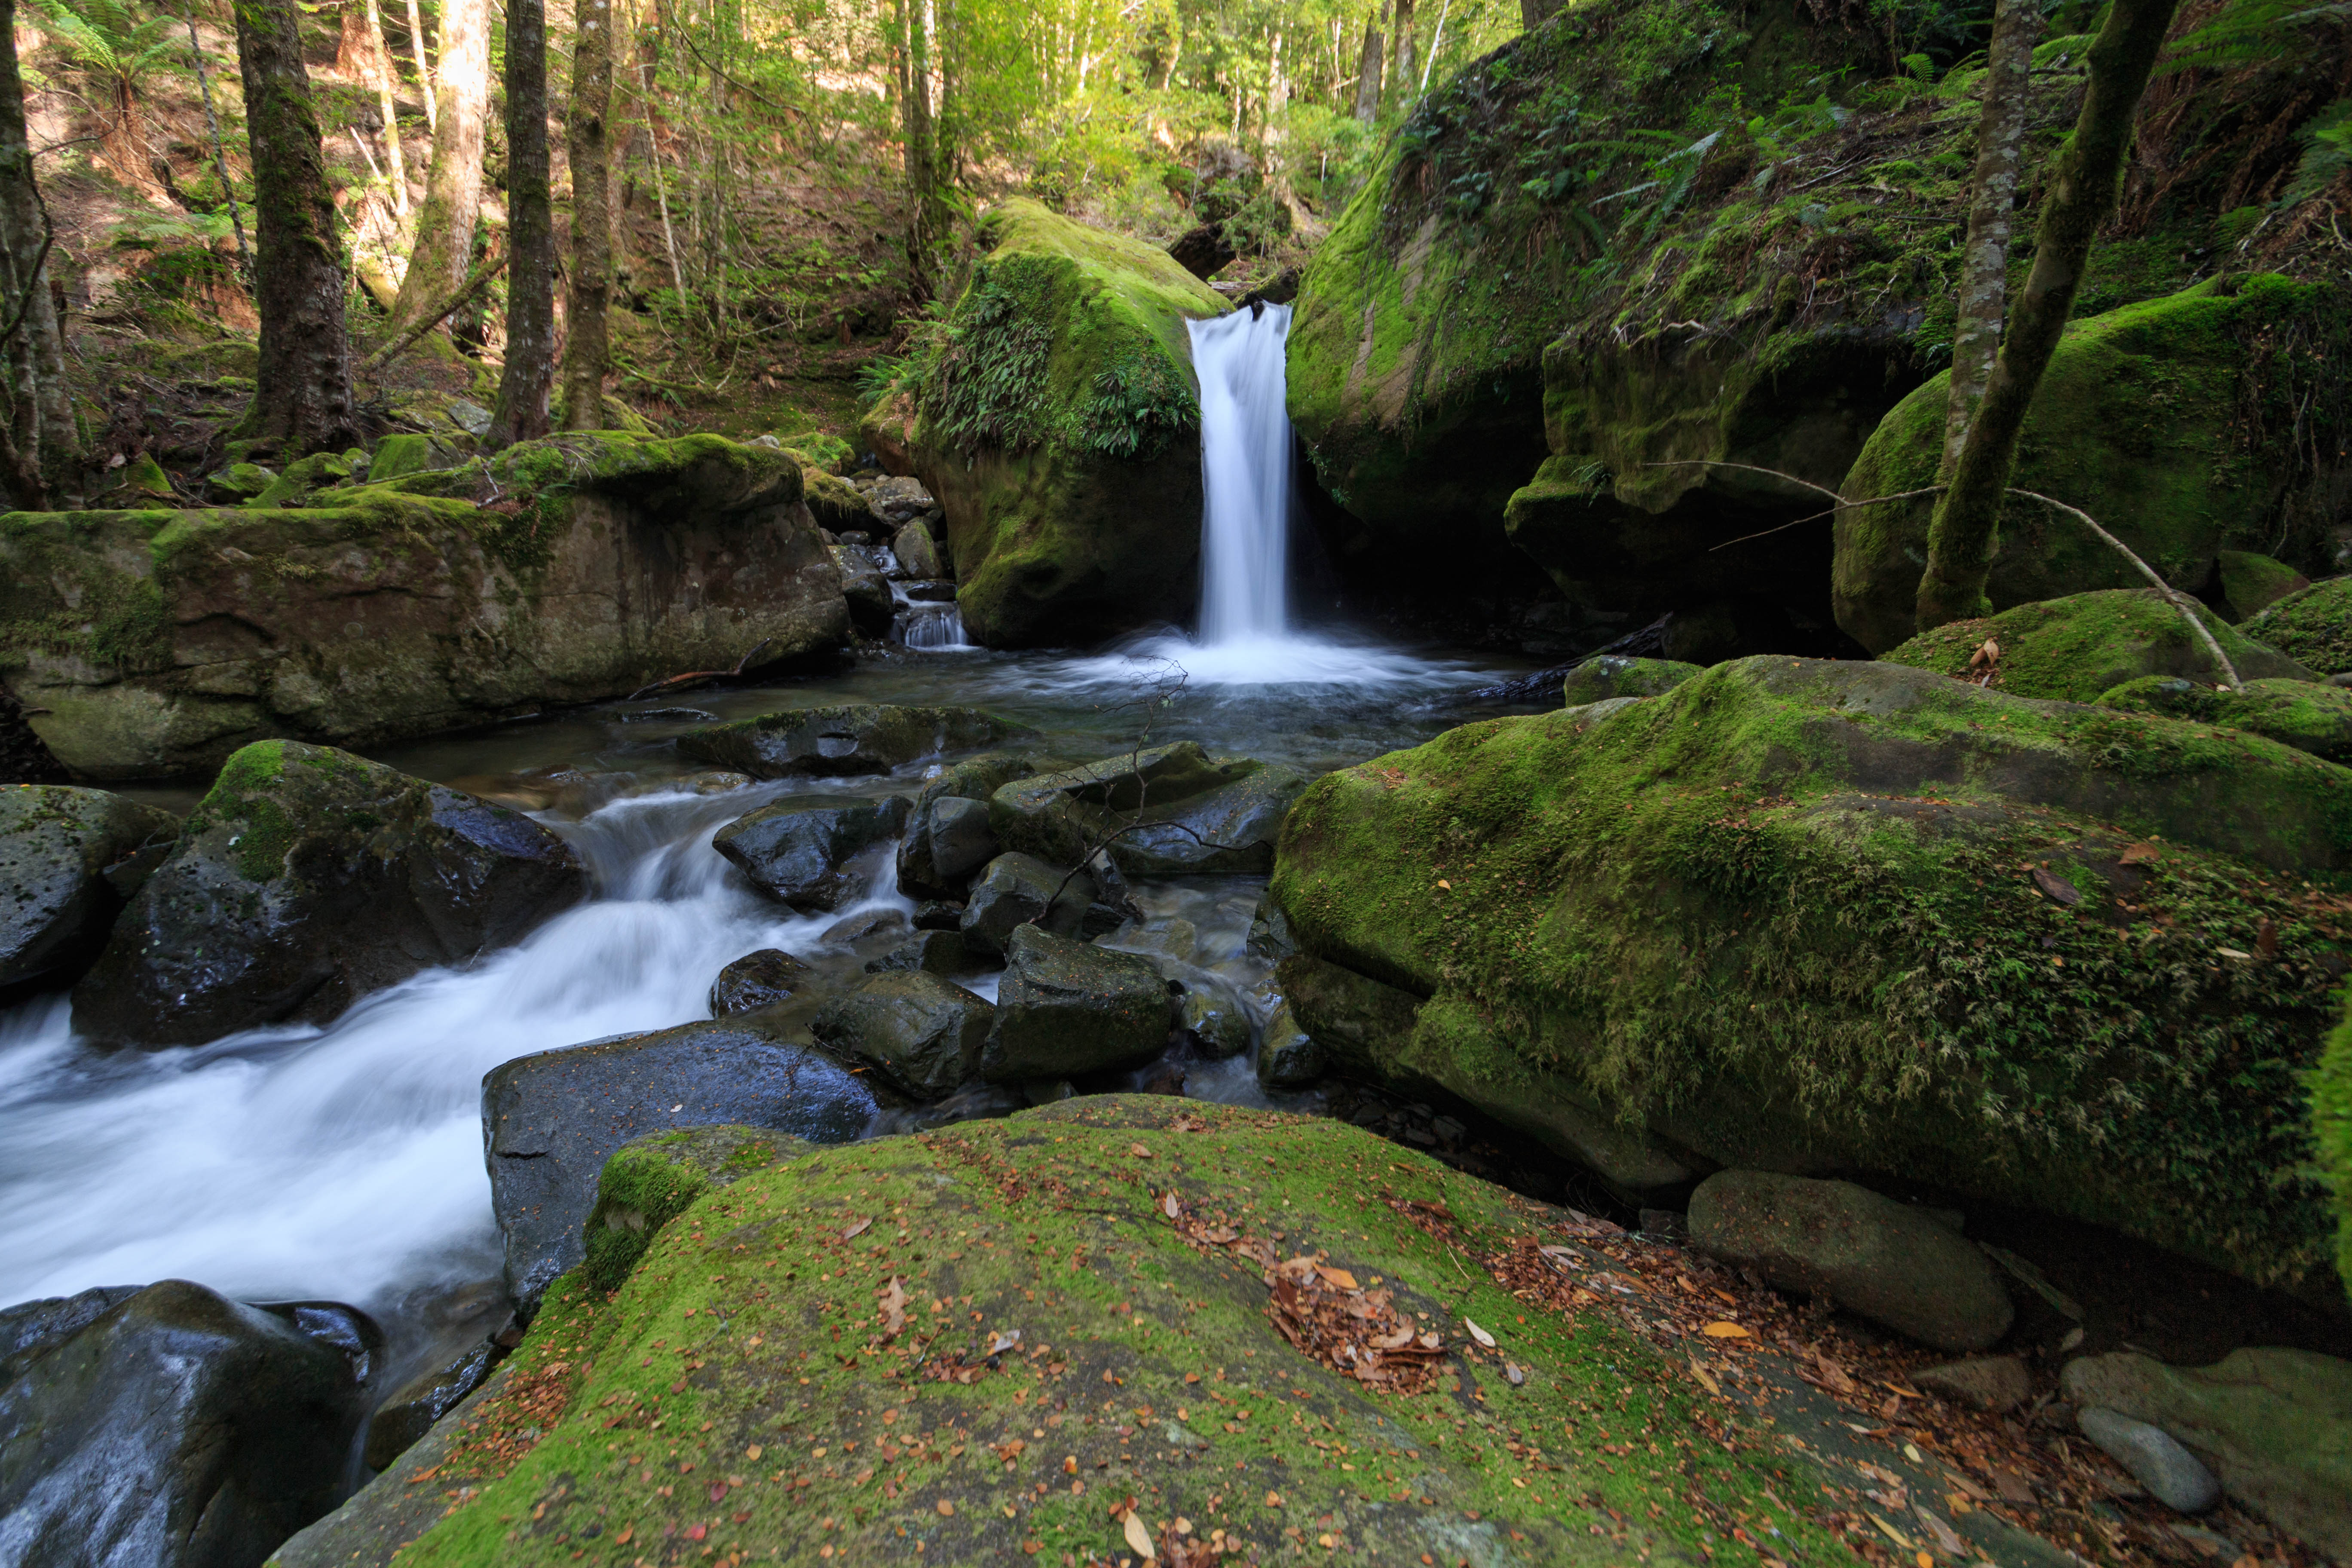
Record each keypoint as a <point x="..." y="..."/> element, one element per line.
<point x="220" y="153"/>
<point x="2001" y="156"/>
<point x="1400" y="54"/>
<point x="2082" y="192"/>
<point x="303" y="399"/>
<point x="1534" y="14"/>
<point x="914" y="132"/>
<point x="380" y="65"/>
<point x="1368" y="71"/>
<point x="590" y="288"/>
<point x="521" y="411"/>
<point x="40" y="450"/>
<point x="424" y="71"/>
<point x="453" y="189"/>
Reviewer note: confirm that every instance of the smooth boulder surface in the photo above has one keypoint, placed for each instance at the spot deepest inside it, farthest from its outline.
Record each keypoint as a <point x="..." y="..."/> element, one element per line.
<point x="2312" y="625"/>
<point x="409" y="1411"/>
<point x="961" y="839"/>
<point x="1166" y="811"/>
<point x="798" y="850"/>
<point x="2299" y="713"/>
<point x="758" y="980"/>
<point x="180" y="1429"/>
<point x="2156" y="1460"/>
<point x="1066" y="1008"/>
<point x="921" y="1033"/>
<point x="651" y="1180"/>
<point x="1987" y="1381"/>
<point x="2080" y="647"/>
<point x="972" y="781"/>
<point x="1018" y="888"/>
<point x="933" y="951"/>
<point x="1288" y="1055"/>
<point x="69" y="860"/>
<point x="843" y="739"/>
<point x="1614" y="675"/>
<point x="306" y="879"/>
<point x="2274" y="1425"/>
<point x="1888" y="1261"/>
<point x="551" y="1120"/>
<point x="1767" y="919"/>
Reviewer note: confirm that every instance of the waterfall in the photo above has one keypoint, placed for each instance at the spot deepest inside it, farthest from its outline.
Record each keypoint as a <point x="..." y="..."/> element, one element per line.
<point x="1245" y="476"/>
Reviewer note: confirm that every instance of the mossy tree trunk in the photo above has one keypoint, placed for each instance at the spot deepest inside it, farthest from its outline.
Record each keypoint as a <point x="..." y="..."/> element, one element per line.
<point x="40" y="449"/>
<point x="2001" y="156"/>
<point x="521" y="412"/>
<point x="1400" y="54"/>
<point x="927" y="220"/>
<point x="2082" y="196"/>
<point x="589" y="289"/>
<point x="1368" y="71"/>
<point x="302" y="398"/>
<point x="453" y="190"/>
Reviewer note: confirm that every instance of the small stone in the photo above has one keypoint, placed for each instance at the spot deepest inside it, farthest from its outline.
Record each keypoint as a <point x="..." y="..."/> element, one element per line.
<point x="757" y="980"/>
<point x="1988" y="1381"/>
<point x="939" y="914"/>
<point x="873" y="925"/>
<point x="2173" y="1476"/>
<point x="799" y="851"/>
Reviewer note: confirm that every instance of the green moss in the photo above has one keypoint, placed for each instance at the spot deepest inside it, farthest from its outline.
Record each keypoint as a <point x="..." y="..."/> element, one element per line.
<point x="2299" y="713"/>
<point x="2313" y="627"/>
<point x="243" y="796"/>
<point x="1735" y="914"/>
<point x="399" y="454"/>
<point x="2076" y="648"/>
<point x="2331" y="1117"/>
<point x="650" y="1181"/>
<point x="2252" y="583"/>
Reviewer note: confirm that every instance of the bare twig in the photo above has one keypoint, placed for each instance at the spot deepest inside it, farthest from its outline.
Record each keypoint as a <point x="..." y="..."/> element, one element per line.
<point x="695" y="678"/>
<point x="1752" y="468"/>
<point x="220" y="156"/>
<point x="2178" y="600"/>
<point x="1816" y="517"/>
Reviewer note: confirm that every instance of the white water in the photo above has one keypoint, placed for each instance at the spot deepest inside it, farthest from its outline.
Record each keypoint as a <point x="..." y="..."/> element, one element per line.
<point x="347" y="1162"/>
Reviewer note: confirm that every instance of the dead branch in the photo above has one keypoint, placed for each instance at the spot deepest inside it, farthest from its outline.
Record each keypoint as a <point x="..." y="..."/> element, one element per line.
<point x="696" y="678"/>
<point x="433" y="318"/>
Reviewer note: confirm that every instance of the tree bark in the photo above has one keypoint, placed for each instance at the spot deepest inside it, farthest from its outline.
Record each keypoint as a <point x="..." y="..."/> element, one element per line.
<point x="2082" y="196"/>
<point x="40" y="450"/>
<point x="1534" y="14"/>
<point x="1400" y="54"/>
<point x="1368" y="71"/>
<point x="303" y="396"/>
<point x="915" y="132"/>
<point x="424" y="71"/>
<point x="589" y="289"/>
<point x="379" y="61"/>
<point x="453" y="190"/>
<point x="2001" y="156"/>
<point x="521" y="411"/>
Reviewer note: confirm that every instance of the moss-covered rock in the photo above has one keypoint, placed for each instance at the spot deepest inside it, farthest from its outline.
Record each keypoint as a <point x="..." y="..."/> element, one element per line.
<point x="1613" y="674"/>
<point x="2331" y="1121"/>
<point x="1057" y="420"/>
<point x="834" y="501"/>
<point x="650" y="1181"/>
<point x="1811" y="916"/>
<point x="2171" y="421"/>
<point x="2298" y="713"/>
<point x="2079" y="647"/>
<point x="992" y="1338"/>
<point x="68" y="858"/>
<point x="2313" y="627"/>
<point x="2250" y="583"/>
<point x="158" y="642"/>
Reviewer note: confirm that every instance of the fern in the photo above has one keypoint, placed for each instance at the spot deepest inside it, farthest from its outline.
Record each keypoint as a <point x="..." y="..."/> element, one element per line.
<point x="2326" y="154"/>
<point x="2251" y="33"/>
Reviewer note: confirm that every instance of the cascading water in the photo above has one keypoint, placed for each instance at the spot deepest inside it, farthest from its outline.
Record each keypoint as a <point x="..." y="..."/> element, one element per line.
<point x="1245" y="476"/>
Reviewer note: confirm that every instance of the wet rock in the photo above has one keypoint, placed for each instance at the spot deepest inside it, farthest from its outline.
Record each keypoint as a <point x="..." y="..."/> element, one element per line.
<point x="863" y="585"/>
<point x="180" y="1429"/>
<point x="388" y="1512"/>
<point x="2172" y="1474"/>
<point x="1167" y="811"/>
<point x="2274" y="1425"/>
<point x="1288" y="1055"/>
<point x="961" y="840"/>
<point x="1988" y="1383"/>
<point x="919" y="1032"/>
<point x="798" y="850"/>
<point x="974" y="779"/>
<point x="1270" y="932"/>
<point x="918" y="554"/>
<point x="306" y="879"/>
<point x="31" y="1330"/>
<point x="843" y="739"/>
<point x="933" y="952"/>
<point x="1878" y="1257"/>
<point x="651" y="1180"/>
<point x="1614" y="675"/>
<point x="1211" y="1012"/>
<point x="551" y="1120"/>
<point x="939" y="914"/>
<point x="758" y="980"/>
<point x="1016" y="889"/>
<point x="409" y="1411"/>
<point x="864" y="930"/>
<point x="70" y="858"/>
<point x="1066" y="1008"/>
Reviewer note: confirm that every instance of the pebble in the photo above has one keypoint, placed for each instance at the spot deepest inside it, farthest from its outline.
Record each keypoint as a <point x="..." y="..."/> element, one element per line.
<point x="2173" y="1476"/>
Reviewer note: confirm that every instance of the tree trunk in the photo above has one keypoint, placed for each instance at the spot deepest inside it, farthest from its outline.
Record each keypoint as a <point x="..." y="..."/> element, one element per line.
<point x="303" y="396"/>
<point x="453" y="189"/>
<point x="2000" y="155"/>
<point x="1400" y="54"/>
<point x="380" y="67"/>
<point x="915" y="130"/>
<point x="424" y="71"/>
<point x="589" y="286"/>
<point x="521" y="411"/>
<point x="1534" y="14"/>
<point x="1368" y="71"/>
<point x="40" y="451"/>
<point x="2083" y="191"/>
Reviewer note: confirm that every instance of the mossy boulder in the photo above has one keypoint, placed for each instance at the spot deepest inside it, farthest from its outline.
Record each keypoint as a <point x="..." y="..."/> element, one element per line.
<point x="69" y="860"/>
<point x="834" y="501"/>
<point x="2331" y="1120"/>
<point x="158" y="642"/>
<point x="2079" y="647"/>
<point x="651" y="1180"/>
<point x="1614" y="675"/>
<point x="2250" y="584"/>
<point x="992" y="1336"/>
<point x="1057" y="421"/>
<point x="305" y="878"/>
<point x="2313" y="625"/>
<point x="1165" y="811"/>
<point x="2298" y="713"/>
<point x="1807" y="916"/>
<point x="2162" y="419"/>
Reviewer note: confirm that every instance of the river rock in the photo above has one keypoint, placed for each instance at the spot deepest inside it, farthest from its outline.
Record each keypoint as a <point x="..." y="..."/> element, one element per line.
<point x="1166" y="811"/>
<point x="1014" y="889"/>
<point x="933" y="952"/>
<point x="973" y="780"/>
<point x="552" y="1119"/>
<point x="1066" y="1008"/>
<point x="70" y="858"/>
<point x="31" y="1330"/>
<point x="1884" y="1259"/>
<point x="180" y="1429"/>
<point x="961" y="840"/>
<point x="797" y="850"/>
<point x="2171" y="1473"/>
<point x="409" y="1411"/>
<point x="2075" y="649"/>
<point x="867" y="590"/>
<point x="1210" y="1012"/>
<point x="306" y="879"/>
<point x="1988" y="1381"/>
<point x="843" y="739"/>
<point x="651" y="1180"/>
<point x="1614" y="675"/>
<point x="867" y="931"/>
<point x="1288" y="1055"/>
<point x="2274" y="1425"/>
<point x="918" y="554"/>
<point x="2299" y="713"/>
<point x="921" y="1033"/>
<point x="758" y="980"/>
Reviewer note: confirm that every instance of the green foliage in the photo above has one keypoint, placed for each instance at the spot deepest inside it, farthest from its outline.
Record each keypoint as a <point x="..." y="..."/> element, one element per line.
<point x="986" y="383"/>
<point x="2326" y="154"/>
<point x="110" y="39"/>
<point x="1141" y="404"/>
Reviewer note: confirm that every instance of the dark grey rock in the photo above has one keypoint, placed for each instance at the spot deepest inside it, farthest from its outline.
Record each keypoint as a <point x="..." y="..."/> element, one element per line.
<point x="394" y="1510"/>
<point x="31" y="1330"/>
<point x="551" y="1120"/>
<point x="798" y="850"/>
<point x="974" y="778"/>
<point x="180" y="1429"/>
<point x="758" y="980"/>
<point x="1167" y="811"/>
<point x="1269" y="934"/>
<point x="866" y="932"/>
<point x="70" y="858"/>
<point x="961" y="840"/>
<point x="917" y="553"/>
<point x="864" y="586"/>
<point x="1066" y="1008"/>
<point x="1211" y="1012"/>
<point x="2172" y="1474"/>
<point x="933" y="951"/>
<point x="843" y="738"/>
<point x="409" y="1411"/>
<point x="921" y="1033"/>
<point x="1288" y="1055"/>
<point x="1881" y="1258"/>
<point x="306" y="878"/>
<point x="1015" y="890"/>
<point x="939" y="914"/>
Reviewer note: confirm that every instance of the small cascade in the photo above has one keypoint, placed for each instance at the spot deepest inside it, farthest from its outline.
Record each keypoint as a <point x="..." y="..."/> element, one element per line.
<point x="932" y="627"/>
<point x="1245" y="476"/>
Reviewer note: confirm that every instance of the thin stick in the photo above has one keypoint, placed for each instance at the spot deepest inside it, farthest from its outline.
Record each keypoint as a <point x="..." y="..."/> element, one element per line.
<point x="2180" y="600"/>
<point x="220" y="157"/>
<point x="1816" y="517"/>
<point x="434" y="317"/>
